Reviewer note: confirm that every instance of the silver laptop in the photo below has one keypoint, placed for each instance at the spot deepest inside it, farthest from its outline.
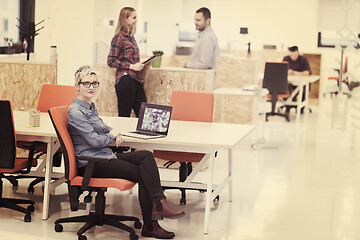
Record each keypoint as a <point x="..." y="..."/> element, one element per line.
<point x="153" y="122"/>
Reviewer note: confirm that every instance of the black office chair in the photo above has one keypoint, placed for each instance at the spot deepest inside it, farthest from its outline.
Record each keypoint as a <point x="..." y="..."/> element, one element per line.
<point x="275" y="80"/>
<point x="9" y="163"/>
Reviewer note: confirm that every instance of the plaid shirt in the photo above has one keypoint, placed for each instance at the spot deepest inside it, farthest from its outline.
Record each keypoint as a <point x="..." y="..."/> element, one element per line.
<point x="123" y="52"/>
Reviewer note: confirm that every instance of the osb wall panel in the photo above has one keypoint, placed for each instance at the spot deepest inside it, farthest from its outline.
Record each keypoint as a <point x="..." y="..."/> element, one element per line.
<point x="315" y="65"/>
<point x="106" y="100"/>
<point x="236" y="72"/>
<point x="236" y="109"/>
<point x="155" y="87"/>
<point x="21" y="83"/>
<point x="159" y="83"/>
<point x="232" y="71"/>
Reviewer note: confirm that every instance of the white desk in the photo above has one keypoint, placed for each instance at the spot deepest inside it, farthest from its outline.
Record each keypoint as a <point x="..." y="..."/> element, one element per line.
<point x="258" y="108"/>
<point x="201" y="137"/>
<point x="299" y="82"/>
<point x="44" y="133"/>
<point x="192" y="137"/>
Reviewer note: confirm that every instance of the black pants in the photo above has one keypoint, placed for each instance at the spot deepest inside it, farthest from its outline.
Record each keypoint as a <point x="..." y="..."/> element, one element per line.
<point x="130" y="94"/>
<point x="139" y="167"/>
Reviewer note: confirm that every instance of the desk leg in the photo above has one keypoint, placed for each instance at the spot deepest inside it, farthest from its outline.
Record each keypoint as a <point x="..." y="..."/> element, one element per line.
<point x="209" y="193"/>
<point x="230" y="173"/>
<point x="299" y="102"/>
<point x="307" y="91"/>
<point x="222" y="108"/>
<point x="48" y="168"/>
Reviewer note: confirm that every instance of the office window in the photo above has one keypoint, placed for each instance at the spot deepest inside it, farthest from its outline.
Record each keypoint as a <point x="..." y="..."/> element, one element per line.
<point x="8" y="11"/>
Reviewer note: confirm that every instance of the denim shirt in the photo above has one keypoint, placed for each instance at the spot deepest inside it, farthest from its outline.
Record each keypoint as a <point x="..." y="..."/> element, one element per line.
<point x="90" y="135"/>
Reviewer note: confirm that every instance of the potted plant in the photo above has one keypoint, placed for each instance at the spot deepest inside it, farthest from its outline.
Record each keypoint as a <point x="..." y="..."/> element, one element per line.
<point x="157" y="62"/>
<point x="9" y="49"/>
<point x="17" y="47"/>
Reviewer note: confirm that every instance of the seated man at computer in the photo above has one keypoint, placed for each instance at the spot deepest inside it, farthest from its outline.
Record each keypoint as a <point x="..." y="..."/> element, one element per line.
<point x="299" y="66"/>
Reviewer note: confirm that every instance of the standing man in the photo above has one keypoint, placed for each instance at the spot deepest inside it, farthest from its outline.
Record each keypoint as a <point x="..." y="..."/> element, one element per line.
<point x="299" y="66"/>
<point x="206" y="49"/>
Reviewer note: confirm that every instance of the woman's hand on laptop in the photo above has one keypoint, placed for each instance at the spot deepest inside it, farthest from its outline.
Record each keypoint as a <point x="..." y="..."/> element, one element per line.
<point x="115" y="132"/>
<point x="119" y="140"/>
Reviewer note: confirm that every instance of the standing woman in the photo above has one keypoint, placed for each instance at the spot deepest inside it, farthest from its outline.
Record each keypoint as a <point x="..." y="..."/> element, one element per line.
<point x="124" y="56"/>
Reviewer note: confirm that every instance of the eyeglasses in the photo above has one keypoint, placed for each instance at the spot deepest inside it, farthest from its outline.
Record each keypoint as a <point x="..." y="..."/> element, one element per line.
<point x="88" y="84"/>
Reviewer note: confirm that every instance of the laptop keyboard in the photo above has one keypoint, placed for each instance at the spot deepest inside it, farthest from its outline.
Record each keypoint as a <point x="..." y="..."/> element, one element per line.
<point x="145" y="133"/>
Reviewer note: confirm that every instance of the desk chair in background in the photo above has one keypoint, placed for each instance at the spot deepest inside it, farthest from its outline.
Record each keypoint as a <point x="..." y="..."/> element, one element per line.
<point x="51" y="95"/>
<point x="345" y="79"/>
<point x="275" y="80"/>
<point x="9" y="163"/>
<point x="77" y="184"/>
<point x="187" y="106"/>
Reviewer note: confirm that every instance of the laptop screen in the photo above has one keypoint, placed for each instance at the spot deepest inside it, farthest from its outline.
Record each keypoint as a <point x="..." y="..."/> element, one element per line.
<point x="154" y="118"/>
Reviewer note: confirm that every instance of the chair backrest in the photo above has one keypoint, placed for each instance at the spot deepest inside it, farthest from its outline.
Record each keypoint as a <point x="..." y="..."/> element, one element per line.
<point x="52" y="95"/>
<point x="192" y="106"/>
<point x="345" y="65"/>
<point x="275" y="77"/>
<point x="58" y="117"/>
<point x="7" y="136"/>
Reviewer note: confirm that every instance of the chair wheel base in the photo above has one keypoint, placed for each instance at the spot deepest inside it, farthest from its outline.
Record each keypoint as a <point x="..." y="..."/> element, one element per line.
<point x="59" y="228"/>
<point x="31" y="189"/>
<point x="27" y="218"/>
<point x="31" y="208"/>
<point x="82" y="237"/>
<point x="133" y="236"/>
<point x="137" y="225"/>
<point x="182" y="201"/>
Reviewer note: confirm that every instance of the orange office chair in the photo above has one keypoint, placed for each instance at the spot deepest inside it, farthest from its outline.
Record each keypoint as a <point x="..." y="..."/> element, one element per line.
<point x="51" y="95"/>
<point x="187" y="106"/>
<point x="77" y="184"/>
<point x="345" y="79"/>
<point x="350" y="84"/>
<point x="275" y="80"/>
<point x="9" y="163"/>
<point x="344" y="71"/>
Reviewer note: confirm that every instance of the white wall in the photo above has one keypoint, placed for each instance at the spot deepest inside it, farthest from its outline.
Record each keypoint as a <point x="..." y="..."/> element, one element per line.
<point x="74" y="26"/>
<point x="70" y="26"/>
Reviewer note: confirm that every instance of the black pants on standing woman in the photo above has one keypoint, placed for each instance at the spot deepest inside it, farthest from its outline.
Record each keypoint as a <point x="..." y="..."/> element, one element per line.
<point x="130" y="94"/>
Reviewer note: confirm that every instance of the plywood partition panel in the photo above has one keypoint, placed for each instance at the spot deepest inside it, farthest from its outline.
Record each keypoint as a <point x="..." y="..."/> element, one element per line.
<point x="21" y="83"/>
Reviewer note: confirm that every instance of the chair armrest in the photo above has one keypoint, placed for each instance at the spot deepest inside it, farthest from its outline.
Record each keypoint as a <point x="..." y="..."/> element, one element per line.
<point x="337" y="70"/>
<point x="31" y="146"/>
<point x="92" y="161"/>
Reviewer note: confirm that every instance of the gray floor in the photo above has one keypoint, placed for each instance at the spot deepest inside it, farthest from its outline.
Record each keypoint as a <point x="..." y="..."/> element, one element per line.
<point x="302" y="185"/>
